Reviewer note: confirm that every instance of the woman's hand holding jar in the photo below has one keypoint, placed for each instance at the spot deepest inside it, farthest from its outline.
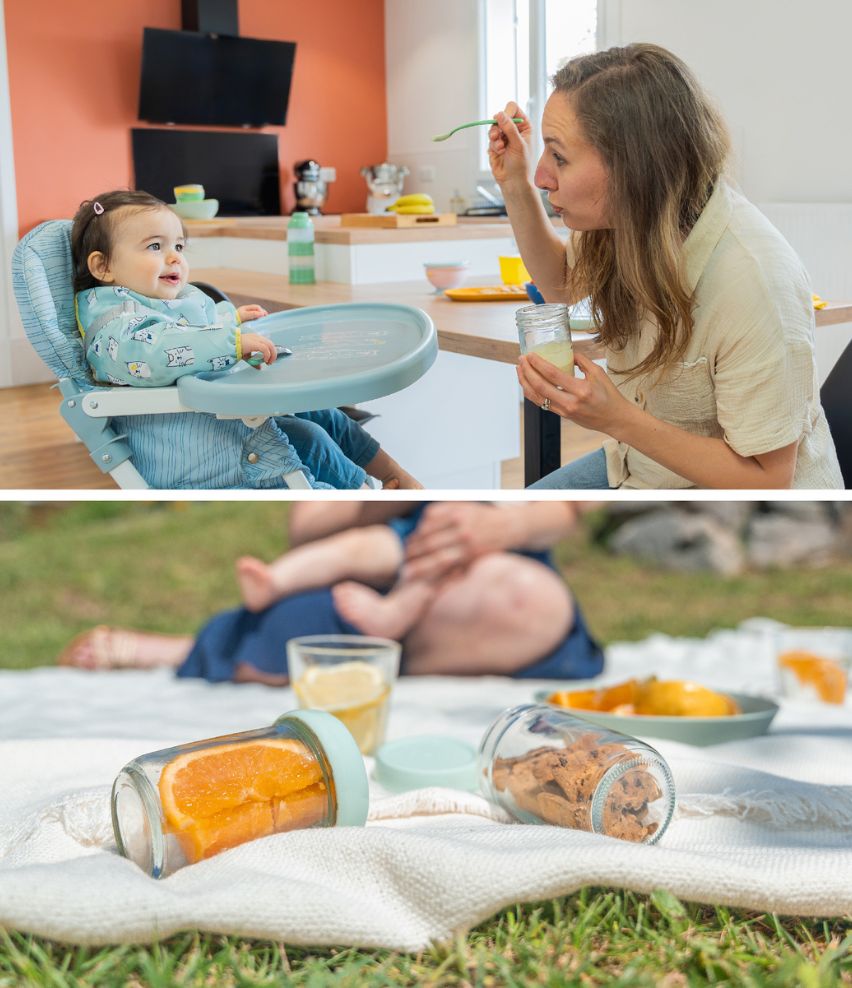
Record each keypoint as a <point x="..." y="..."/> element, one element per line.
<point x="592" y="401"/>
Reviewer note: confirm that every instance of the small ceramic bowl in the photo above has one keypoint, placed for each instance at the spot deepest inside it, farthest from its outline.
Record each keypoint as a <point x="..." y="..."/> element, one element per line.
<point x="445" y="274"/>
<point x="189" y="193"/>
<point x="204" y="210"/>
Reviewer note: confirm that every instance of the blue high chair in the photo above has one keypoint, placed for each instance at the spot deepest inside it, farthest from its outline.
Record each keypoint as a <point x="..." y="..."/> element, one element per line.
<point x="214" y="429"/>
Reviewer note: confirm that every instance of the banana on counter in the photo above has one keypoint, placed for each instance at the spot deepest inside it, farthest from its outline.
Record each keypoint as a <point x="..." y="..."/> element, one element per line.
<point x="417" y="203"/>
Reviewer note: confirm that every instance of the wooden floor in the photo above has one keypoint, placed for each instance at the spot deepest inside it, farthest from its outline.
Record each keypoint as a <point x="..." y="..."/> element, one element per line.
<point x="39" y="451"/>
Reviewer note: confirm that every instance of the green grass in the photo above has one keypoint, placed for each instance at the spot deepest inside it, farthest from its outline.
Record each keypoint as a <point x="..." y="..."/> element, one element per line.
<point x="596" y="937"/>
<point x="167" y="567"/>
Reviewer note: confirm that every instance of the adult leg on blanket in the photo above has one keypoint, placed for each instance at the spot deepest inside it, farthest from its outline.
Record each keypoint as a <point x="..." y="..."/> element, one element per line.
<point x="499" y="616"/>
<point x="125" y="648"/>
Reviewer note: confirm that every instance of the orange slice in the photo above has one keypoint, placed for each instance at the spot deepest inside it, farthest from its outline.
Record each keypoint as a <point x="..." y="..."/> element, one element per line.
<point x="681" y="698"/>
<point x="217" y="797"/>
<point x="606" y="699"/>
<point x="826" y="677"/>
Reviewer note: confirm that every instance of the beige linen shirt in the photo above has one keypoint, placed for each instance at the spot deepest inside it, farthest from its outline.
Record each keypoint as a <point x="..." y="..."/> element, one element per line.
<point x="748" y="374"/>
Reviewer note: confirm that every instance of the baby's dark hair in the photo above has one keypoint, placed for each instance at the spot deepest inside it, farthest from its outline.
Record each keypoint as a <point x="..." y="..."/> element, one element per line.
<point x="94" y="226"/>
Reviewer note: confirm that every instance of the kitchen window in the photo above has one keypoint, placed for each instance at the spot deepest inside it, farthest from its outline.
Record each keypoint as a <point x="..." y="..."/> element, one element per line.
<point x="522" y="44"/>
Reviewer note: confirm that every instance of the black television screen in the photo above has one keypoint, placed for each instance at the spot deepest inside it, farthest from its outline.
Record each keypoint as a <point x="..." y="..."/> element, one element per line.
<point x="214" y="79"/>
<point x="238" y="169"/>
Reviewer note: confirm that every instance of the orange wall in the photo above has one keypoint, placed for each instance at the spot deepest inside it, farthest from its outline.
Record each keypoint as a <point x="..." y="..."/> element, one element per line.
<point x="74" y="82"/>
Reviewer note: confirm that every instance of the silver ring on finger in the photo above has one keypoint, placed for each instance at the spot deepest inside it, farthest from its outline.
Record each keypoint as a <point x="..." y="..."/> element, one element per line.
<point x="545" y="405"/>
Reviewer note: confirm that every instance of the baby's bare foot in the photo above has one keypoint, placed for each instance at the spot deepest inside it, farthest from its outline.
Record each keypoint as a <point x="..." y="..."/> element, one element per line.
<point x="256" y="583"/>
<point x="370" y="612"/>
<point x="390" y="616"/>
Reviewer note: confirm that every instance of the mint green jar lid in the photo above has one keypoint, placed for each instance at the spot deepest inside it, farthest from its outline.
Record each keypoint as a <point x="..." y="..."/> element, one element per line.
<point x="345" y="761"/>
<point x="426" y="760"/>
<point x="299" y="221"/>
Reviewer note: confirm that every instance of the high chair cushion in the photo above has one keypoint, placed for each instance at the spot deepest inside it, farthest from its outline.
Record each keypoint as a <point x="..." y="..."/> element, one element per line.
<point x="43" y="280"/>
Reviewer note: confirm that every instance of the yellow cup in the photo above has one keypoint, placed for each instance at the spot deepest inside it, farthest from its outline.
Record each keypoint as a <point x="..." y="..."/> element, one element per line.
<point x="512" y="271"/>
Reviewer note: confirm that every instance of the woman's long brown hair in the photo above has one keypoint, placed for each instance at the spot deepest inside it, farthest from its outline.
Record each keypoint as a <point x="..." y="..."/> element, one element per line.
<point x="665" y="147"/>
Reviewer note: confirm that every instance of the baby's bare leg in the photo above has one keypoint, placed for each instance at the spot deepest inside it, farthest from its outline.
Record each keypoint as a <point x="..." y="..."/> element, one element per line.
<point x="371" y="555"/>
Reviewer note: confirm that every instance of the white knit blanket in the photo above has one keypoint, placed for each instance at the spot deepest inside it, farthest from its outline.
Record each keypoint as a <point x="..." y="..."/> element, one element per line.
<point x="764" y="824"/>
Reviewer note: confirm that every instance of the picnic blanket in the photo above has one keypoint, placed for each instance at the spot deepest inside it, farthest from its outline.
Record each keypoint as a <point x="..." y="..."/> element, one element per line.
<point x="764" y="824"/>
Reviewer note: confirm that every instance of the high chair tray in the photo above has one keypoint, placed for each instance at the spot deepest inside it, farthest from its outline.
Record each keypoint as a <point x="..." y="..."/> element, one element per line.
<point x="342" y="354"/>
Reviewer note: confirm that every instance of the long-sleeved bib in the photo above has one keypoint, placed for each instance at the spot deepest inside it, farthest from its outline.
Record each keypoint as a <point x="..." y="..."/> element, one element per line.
<point x="149" y="342"/>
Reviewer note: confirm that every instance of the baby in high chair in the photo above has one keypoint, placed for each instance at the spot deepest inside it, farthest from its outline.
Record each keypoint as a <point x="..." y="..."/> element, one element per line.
<point x="144" y="325"/>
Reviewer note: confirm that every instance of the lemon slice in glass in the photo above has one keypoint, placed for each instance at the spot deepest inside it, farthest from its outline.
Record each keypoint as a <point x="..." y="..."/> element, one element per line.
<point x="341" y="685"/>
<point x="355" y="692"/>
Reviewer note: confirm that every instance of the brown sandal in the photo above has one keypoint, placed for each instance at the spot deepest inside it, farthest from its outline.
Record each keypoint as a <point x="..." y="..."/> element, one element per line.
<point x="113" y="648"/>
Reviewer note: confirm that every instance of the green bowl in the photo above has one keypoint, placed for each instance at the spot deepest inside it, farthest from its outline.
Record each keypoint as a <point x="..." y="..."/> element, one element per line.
<point x="754" y="720"/>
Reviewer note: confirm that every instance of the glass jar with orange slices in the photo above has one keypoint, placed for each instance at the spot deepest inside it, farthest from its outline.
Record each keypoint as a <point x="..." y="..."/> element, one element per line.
<point x="181" y="805"/>
<point x="814" y="663"/>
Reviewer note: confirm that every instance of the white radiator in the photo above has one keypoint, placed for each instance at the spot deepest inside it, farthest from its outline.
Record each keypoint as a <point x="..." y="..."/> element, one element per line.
<point x="821" y="234"/>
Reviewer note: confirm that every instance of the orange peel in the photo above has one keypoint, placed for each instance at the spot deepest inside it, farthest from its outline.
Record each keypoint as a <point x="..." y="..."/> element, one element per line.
<point x="651" y="697"/>
<point x="825" y="676"/>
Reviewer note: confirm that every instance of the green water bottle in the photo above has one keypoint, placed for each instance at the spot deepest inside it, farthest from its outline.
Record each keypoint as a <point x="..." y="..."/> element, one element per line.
<point x="300" y="249"/>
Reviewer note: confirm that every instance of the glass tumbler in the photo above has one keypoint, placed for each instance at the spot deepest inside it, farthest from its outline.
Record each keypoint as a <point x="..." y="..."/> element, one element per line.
<point x="350" y="676"/>
<point x="814" y="663"/>
<point x="180" y="805"/>
<point x="547" y="766"/>
<point x="546" y="330"/>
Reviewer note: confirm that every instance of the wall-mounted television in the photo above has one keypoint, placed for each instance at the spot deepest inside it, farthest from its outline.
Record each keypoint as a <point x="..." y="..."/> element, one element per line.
<point x="214" y="79"/>
<point x="240" y="170"/>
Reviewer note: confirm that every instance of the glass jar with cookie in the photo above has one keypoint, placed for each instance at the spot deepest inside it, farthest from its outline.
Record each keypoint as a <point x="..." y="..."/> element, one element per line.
<point x="547" y="766"/>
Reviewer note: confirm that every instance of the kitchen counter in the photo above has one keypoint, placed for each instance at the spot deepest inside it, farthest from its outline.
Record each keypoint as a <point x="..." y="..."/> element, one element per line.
<point x="463" y="415"/>
<point x="454" y="427"/>
<point x="327" y="230"/>
<point x="476" y="329"/>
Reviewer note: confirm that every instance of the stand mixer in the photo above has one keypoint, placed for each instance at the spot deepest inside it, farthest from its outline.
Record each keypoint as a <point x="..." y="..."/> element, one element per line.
<point x="311" y="186"/>
<point x="384" y="183"/>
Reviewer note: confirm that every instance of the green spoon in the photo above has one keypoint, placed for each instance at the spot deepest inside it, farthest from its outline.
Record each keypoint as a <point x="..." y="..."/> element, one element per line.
<point x="473" y="123"/>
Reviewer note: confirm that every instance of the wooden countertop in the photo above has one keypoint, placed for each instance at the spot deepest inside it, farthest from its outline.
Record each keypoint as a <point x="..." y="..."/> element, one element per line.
<point x="327" y="230"/>
<point x="476" y="329"/>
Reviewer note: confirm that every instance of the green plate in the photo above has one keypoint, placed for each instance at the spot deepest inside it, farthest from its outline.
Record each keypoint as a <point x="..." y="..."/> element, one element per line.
<point x="756" y="716"/>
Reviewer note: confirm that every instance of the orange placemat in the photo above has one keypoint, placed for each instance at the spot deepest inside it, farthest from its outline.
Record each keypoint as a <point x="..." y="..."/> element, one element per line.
<point x="488" y="293"/>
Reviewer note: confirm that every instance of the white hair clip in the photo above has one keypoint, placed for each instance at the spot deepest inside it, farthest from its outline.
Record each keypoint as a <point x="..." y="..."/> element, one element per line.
<point x="98" y="208"/>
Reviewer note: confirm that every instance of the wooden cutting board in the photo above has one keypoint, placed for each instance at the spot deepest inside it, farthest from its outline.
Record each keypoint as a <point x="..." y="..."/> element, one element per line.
<point x="391" y="221"/>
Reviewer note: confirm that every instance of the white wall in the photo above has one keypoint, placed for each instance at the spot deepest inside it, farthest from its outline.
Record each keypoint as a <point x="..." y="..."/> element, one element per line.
<point x="782" y="75"/>
<point x="432" y="64"/>
<point x="780" y="71"/>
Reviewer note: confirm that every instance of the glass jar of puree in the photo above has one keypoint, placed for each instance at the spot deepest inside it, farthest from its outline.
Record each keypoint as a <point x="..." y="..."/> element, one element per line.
<point x="546" y="766"/>
<point x="184" y="804"/>
<point x="546" y="330"/>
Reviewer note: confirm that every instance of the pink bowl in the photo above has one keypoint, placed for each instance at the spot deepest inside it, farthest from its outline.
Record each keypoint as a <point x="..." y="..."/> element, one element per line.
<point x="450" y="276"/>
